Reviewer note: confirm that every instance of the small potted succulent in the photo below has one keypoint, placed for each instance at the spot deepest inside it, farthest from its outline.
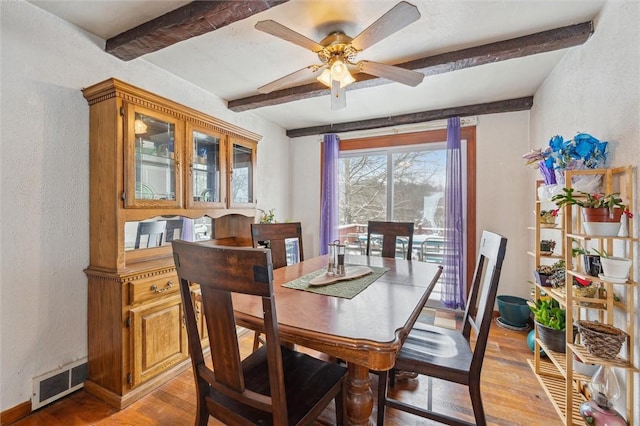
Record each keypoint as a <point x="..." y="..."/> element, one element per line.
<point x="548" y="217"/>
<point x="547" y="275"/>
<point x="547" y="246"/>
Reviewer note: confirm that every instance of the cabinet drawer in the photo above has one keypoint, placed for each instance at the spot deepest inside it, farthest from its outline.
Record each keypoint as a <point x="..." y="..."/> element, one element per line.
<point x="149" y="288"/>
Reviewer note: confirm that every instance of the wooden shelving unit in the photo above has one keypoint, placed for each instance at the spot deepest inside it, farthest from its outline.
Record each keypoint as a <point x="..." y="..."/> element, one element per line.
<point x="564" y="387"/>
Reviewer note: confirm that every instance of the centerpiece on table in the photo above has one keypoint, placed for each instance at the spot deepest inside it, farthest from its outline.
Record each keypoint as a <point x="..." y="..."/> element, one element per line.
<point x="581" y="152"/>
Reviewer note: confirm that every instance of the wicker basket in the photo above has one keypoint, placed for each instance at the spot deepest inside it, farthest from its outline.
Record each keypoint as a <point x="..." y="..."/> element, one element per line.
<point x="601" y="340"/>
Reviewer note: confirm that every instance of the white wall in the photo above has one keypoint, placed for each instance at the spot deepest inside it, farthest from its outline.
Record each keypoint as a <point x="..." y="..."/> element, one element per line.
<point x="45" y="191"/>
<point x="503" y="193"/>
<point x="596" y="89"/>
<point x="305" y="190"/>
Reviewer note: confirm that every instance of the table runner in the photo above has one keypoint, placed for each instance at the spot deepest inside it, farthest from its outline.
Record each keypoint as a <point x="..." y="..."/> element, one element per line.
<point x="345" y="289"/>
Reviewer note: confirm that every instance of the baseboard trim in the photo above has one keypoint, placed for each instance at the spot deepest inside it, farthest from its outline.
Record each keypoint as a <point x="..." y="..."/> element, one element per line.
<point x="15" y="413"/>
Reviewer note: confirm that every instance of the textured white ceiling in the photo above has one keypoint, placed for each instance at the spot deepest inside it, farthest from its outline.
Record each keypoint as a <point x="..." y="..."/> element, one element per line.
<point x="235" y="60"/>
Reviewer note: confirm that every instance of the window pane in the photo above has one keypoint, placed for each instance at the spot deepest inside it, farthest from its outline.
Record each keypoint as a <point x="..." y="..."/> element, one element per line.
<point x="154" y="159"/>
<point x="206" y="168"/>
<point x="242" y="182"/>
<point x="416" y="177"/>
<point x="418" y="188"/>
<point x="363" y="188"/>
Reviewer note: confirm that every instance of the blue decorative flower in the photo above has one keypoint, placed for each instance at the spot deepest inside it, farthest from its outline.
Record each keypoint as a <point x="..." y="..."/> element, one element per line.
<point x="582" y="152"/>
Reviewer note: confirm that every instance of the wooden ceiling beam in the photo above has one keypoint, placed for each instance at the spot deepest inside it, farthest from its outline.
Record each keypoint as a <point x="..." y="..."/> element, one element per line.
<point x="510" y="105"/>
<point x="545" y="41"/>
<point x="190" y="20"/>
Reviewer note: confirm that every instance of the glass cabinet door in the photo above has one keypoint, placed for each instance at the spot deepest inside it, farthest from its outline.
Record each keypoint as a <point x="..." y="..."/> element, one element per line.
<point x="152" y="172"/>
<point x="242" y="175"/>
<point x="206" y="183"/>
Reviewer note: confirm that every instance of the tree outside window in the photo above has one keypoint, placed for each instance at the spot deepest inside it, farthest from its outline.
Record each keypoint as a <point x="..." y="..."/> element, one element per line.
<point x="400" y="185"/>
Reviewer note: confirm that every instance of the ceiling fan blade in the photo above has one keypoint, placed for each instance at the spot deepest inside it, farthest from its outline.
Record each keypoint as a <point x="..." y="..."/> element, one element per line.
<point x="338" y="96"/>
<point x="398" y="17"/>
<point x="294" y="77"/>
<point x="285" y="33"/>
<point x="391" y="72"/>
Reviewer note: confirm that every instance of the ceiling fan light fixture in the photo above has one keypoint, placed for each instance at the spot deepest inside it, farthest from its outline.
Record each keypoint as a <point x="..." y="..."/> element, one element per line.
<point x="325" y="78"/>
<point x="340" y="72"/>
<point x="346" y="80"/>
<point x="337" y="71"/>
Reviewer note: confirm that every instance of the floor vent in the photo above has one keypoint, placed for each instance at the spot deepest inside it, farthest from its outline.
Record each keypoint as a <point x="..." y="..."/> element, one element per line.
<point x="58" y="383"/>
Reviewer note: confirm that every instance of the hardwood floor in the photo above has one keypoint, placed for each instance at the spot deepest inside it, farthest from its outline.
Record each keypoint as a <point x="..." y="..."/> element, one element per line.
<point x="510" y="391"/>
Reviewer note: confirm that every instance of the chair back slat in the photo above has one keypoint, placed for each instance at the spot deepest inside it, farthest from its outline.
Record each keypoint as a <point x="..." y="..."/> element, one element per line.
<point x="277" y="235"/>
<point x="480" y="304"/>
<point x="390" y="232"/>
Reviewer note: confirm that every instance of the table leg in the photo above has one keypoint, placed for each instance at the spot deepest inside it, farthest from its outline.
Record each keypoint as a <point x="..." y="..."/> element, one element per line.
<point x="359" y="395"/>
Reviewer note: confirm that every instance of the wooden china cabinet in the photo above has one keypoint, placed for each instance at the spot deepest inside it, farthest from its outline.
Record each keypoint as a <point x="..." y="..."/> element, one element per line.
<point x="158" y="171"/>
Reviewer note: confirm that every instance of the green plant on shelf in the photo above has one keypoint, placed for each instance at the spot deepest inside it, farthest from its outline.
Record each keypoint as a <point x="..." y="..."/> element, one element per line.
<point x="595" y="200"/>
<point x="549" y="313"/>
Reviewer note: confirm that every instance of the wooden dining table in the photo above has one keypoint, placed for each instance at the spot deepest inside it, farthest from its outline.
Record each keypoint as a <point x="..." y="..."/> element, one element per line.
<point x="366" y="331"/>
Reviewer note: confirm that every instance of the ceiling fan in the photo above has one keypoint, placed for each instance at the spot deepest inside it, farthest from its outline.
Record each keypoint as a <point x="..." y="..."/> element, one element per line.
<point x="337" y="53"/>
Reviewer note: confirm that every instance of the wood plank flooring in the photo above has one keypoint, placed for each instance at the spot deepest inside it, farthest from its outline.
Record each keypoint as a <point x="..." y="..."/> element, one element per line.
<point x="511" y="395"/>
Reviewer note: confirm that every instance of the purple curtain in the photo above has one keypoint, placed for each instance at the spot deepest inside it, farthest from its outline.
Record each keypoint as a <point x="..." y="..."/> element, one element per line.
<point x="453" y="288"/>
<point x="329" y="195"/>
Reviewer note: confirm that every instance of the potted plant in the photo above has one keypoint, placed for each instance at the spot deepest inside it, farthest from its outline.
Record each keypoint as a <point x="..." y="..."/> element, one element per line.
<point x="550" y="320"/>
<point x="584" y="288"/>
<point x="591" y="261"/>
<point x="547" y="275"/>
<point x="601" y="212"/>
<point x="614" y="268"/>
<point x="596" y="207"/>
<point x="548" y="217"/>
<point x="267" y="216"/>
<point x="547" y="246"/>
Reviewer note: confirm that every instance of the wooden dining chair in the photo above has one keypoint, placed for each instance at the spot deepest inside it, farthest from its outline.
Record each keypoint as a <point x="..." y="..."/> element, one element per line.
<point x="273" y="385"/>
<point x="448" y="354"/>
<point x="277" y="235"/>
<point x="390" y="232"/>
